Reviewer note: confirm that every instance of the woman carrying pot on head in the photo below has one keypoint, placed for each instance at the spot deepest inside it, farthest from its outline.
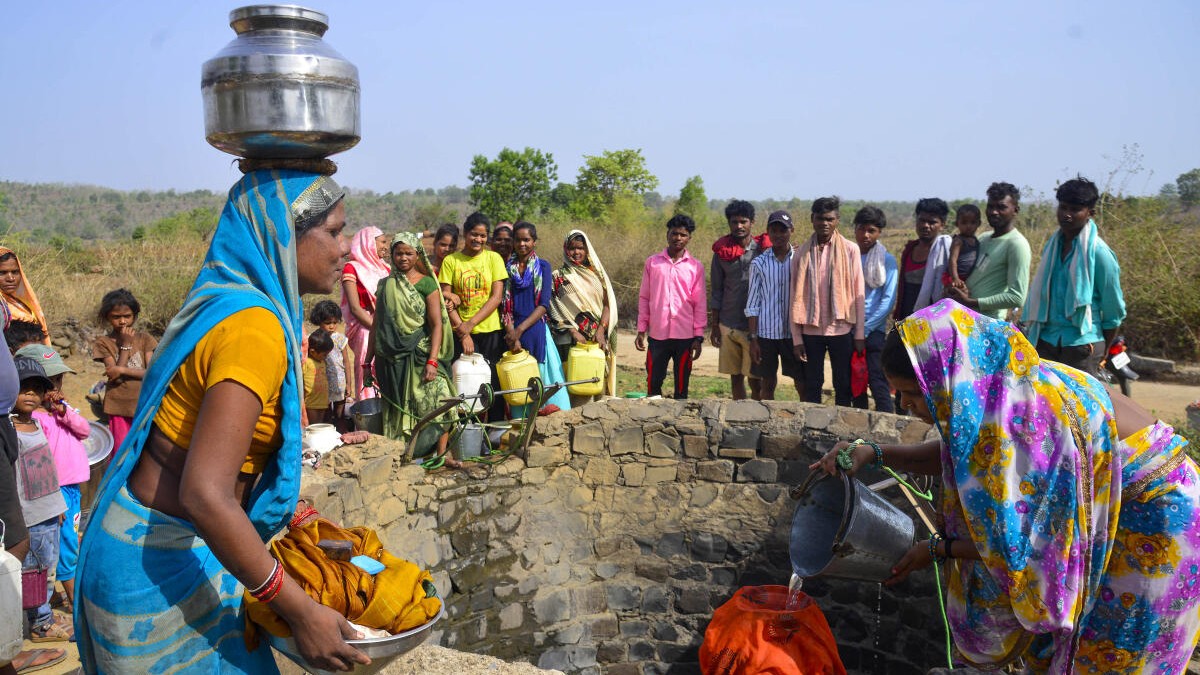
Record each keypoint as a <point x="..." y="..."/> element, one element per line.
<point x="1069" y="514"/>
<point x="17" y="293"/>
<point x="584" y="307"/>
<point x="410" y="348"/>
<point x="361" y="276"/>
<point x="527" y="294"/>
<point x="211" y="467"/>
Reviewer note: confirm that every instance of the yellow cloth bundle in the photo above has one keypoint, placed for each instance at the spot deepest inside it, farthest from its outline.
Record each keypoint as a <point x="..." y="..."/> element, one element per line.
<point x="393" y="600"/>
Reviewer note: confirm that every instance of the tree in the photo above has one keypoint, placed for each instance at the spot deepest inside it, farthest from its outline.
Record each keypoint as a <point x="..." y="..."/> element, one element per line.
<point x="692" y="200"/>
<point x="1189" y="188"/>
<point x="611" y="174"/>
<point x="514" y="185"/>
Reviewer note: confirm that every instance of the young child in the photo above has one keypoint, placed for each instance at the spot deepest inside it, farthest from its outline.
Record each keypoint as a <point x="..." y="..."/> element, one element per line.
<point x="671" y="309"/>
<point x="964" y="248"/>
<point x="65" y="431"/>
<point x="42" y="502"/>
<point x="327" y="316"/>
<point x="21" y="333"/>
<point x="125" y="353"/>
<point x="316" y="389"/>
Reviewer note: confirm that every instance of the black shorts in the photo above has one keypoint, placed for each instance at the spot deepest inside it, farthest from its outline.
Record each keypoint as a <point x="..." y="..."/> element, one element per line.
<point x="774" y="353"/>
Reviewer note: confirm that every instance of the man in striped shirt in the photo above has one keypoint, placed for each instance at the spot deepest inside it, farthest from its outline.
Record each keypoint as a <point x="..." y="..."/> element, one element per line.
<point x="768" y="309"/>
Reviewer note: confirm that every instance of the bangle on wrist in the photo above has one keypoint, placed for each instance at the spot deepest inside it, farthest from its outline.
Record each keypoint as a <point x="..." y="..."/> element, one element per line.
<point x="431" y="362"/>
<point x="934" y="539"/>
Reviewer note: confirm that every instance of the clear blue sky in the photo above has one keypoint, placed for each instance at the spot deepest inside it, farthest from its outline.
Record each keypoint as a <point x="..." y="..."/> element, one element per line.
<point x="762" y="99"/>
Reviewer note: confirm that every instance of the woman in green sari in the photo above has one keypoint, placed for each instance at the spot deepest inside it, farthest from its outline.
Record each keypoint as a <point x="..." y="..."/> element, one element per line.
<point x="411" y="347"/>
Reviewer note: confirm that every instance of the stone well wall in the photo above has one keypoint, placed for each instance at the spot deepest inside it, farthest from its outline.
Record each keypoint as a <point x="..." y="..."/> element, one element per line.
<point x="607" y="547"/>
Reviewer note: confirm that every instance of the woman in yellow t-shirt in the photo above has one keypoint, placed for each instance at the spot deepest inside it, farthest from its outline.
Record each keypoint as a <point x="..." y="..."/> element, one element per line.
<point x="211" y="467"/>
<point x="476" y="277"/>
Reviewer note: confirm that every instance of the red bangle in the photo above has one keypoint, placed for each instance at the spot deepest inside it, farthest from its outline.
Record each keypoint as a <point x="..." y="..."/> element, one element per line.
<point x="431" y="362"/>
<point x="270" y="588"/>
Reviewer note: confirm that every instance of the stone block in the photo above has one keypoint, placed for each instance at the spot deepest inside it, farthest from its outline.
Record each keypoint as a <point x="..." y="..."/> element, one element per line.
<point x="819" y="417"/>
<point x="579" y="496"/>
<point x="746" y="411"/>
<point x="685" y="472"/>
<point x="554" y="659"/>
<point x="590" y="599"/>
<point x="693" y="572"/>
<point x="600" y="471"/>
<point x="512" y="616"/>
<point x="641" y="650"/>
<point x="782" y="446"/>
<point x="389" y="509"/>
<point x="626" y="441"/>
<point x="695" y="447"/>
<point x="588" y="439"/>
<point x="769" y="493"/>
<point x="542" y="455"/>
<point x="634" y="474"/>
<point x="604" y="626"/>
<point x="737" y="453"/>
<point x="793" y="472"/>
<point x="914" y="431"/>
<point x="660" y="474"/>
<point x="858" y="422"/>
<point x="692" y="600"/>
<point x="740" y="438"/>
<point x="656" y="600"/>
<point x="607" y="570"/>
<point x="703" y="495"/>
<point x="613" y="654"/>
<point x="375" y="472"/>
<point x="583" y="658"/>
<point x="551" y="606"/>
<point x="659" y="444"/>
<point x="534" y="476"/>
<point x="634" y="628"/>
<point x="449" y="512"/>
<point x="652" y="569"/>
<point x="758" y="471"/>
<point x="623" y="595"/>
<point x="708" y="547"/>
<point x="569" y="635"/>
<point x="717" y="471"/>
<point x="645" y="410"/>
<point x="669" y="545"/>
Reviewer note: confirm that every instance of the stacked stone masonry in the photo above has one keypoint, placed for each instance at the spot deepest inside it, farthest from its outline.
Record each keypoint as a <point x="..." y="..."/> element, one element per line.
<point x="606" y="547"/>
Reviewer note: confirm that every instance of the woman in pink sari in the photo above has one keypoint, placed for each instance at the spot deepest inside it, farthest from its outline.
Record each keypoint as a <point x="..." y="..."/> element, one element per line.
<point x="360" y="278"/>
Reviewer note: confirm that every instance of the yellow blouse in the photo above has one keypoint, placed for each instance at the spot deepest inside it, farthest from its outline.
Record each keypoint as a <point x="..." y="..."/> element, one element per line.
<point x="247" y="348"/>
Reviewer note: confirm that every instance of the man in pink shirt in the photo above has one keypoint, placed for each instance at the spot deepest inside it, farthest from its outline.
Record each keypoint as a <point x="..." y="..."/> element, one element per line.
<point x="828" y="303"/>
<point x="671" y="309"/>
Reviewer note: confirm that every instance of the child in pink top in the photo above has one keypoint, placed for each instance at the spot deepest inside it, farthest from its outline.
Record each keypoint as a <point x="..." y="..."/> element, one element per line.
<point x="65" y="431"/>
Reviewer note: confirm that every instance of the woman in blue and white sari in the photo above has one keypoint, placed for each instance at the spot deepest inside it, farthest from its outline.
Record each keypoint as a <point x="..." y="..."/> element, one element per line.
<point x="211" y="466"/>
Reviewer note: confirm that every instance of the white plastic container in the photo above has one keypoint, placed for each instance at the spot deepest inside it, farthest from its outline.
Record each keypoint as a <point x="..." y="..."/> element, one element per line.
<point x="470" y="372"/>
<point x="10" y="604"/>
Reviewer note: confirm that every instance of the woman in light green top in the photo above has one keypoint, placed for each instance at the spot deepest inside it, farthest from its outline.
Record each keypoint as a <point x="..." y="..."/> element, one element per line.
<point x="411" y="348"/>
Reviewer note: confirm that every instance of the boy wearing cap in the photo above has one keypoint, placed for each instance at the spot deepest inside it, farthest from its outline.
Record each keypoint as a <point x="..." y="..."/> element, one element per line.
<point x="65" y="431"/>
<point x="730" y="272"/>
<point x="42" y="502"/>
<point x="768" y="309"/>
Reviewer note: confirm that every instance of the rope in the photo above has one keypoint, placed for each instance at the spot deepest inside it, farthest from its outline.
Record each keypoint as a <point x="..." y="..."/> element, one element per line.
<point x="928" y="496"/>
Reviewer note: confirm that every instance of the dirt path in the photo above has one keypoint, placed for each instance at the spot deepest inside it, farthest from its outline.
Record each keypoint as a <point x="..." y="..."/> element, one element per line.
<point x="1162" y="399"/>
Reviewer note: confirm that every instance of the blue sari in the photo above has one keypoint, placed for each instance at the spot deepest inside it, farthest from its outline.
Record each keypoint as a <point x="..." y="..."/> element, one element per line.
<point x="152" y="597"/>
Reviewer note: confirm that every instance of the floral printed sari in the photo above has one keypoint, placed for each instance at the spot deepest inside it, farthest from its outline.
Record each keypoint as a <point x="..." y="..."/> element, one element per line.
<point x="1090" y="548"/>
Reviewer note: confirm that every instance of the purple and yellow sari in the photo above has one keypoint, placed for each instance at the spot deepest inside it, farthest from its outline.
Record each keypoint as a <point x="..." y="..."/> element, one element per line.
<point x="1090" y="544"/>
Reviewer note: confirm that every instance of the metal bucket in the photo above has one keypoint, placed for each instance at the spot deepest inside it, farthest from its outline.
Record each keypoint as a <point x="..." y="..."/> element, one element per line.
<point x="368" y="415"/>
<point x="470" y="441"/>
<point x="843" y="529"/>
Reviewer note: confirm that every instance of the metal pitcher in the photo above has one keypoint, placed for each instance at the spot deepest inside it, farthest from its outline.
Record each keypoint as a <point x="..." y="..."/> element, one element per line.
<point x="279" y="91"/>
<point x="842" y="529"/>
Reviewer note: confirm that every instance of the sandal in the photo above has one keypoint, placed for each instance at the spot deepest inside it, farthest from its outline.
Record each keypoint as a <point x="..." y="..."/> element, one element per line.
<point x="58" y="630"/>
<point x="37" y="659"/>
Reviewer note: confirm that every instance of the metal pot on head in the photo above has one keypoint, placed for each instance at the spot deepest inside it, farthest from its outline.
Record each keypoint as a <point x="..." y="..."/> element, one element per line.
<point x="278" y="91"/>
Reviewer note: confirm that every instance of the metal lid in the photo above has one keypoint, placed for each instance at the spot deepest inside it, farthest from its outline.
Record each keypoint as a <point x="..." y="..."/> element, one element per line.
<point x="289" y="17"/>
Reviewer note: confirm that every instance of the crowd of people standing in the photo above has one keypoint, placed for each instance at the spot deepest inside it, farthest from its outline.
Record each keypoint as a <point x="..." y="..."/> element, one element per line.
<point x="775" y="304"/>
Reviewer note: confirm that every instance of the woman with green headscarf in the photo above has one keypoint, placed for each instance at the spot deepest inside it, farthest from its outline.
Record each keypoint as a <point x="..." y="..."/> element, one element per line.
<point x="411" y="346"/>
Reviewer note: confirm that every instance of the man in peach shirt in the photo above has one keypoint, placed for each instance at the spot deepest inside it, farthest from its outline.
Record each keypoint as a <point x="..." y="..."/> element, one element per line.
<point x="828" y="303"/>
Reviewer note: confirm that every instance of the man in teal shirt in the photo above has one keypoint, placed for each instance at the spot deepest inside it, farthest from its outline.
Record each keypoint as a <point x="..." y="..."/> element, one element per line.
<point x="1000" y="280"/>
<point x="1075" y="305"/>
